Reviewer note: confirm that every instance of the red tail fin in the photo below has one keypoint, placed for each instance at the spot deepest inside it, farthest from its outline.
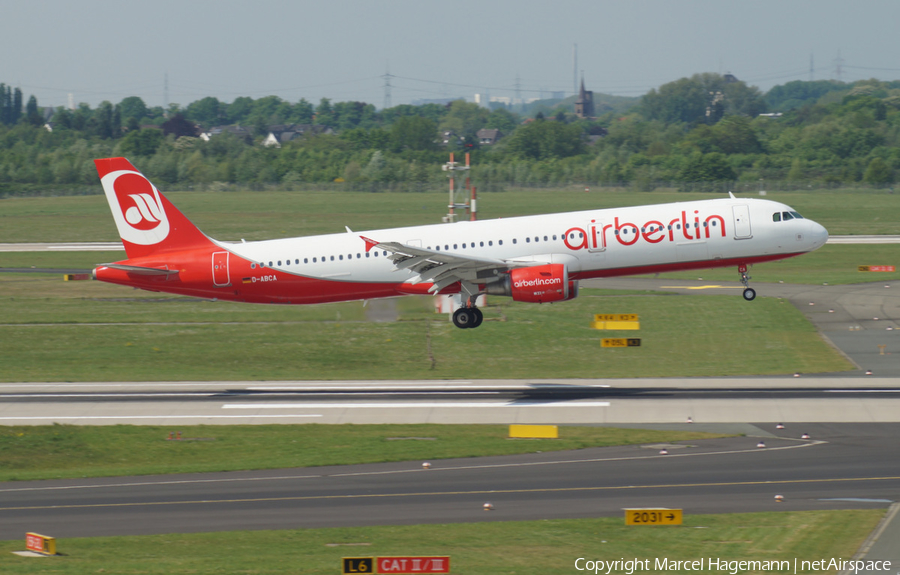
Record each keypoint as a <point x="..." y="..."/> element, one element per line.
<point x="148" y="223"/>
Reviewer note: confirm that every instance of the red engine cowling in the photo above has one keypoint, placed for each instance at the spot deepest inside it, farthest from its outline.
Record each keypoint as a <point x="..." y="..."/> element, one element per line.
<point x="538" y="284"/>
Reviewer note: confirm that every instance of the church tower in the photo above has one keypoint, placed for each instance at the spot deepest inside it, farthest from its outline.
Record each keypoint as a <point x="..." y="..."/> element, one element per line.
<point x="584" y="105"/>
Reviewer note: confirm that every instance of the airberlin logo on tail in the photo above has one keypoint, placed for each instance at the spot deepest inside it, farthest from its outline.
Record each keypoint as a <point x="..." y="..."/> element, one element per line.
<point x="140" y="216"/>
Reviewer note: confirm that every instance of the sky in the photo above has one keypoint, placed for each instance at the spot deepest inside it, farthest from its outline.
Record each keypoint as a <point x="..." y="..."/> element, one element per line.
<point x="342" y="49"/>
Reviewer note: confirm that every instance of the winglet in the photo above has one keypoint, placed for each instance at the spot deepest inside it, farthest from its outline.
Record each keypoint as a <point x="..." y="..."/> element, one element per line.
<point x="369" y="243"/>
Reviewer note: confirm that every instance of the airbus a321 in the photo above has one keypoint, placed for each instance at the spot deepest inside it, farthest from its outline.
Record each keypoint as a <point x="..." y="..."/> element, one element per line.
<point x="538" y="259"/>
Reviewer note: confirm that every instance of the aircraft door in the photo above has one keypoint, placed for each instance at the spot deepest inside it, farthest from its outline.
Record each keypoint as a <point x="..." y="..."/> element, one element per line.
<point x="595" y="238"/>
<point x="741" y="222"/>
<point x="221" y="277"/>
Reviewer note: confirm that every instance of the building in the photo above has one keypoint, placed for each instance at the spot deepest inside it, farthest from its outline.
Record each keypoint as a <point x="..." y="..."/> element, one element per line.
<point x="488" y="136"/>
<point x="584" y="105"/>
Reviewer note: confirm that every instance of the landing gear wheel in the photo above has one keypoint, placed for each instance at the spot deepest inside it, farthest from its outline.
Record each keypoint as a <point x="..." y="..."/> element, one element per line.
<point x="463" y="318"/>
<point x="467" y="317"/>
<point x="749" y="294"/>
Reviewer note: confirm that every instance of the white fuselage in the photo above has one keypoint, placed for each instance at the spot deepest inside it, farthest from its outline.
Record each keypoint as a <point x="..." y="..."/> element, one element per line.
<point x="591" y="243"/>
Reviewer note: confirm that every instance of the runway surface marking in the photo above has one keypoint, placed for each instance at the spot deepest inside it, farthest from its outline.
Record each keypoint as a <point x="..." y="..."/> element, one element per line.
<point x="452" y="493"/>
<point x="800" y="444"/>
<point x="701" y="287"/>
<point x="467" y="404"/>
<point x="128" y="417"/>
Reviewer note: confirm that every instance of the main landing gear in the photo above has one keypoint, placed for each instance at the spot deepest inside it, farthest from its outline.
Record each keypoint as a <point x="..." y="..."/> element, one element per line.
<point x="467" y="317"/>
<point x="749" y="292"/>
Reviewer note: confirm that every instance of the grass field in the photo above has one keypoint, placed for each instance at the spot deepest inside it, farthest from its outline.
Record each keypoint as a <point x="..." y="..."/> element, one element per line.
<point x="522" y="548"/>
<point x="265" y="215"/>
<point x="89" y="331"/>
<point x="60" y="451"/>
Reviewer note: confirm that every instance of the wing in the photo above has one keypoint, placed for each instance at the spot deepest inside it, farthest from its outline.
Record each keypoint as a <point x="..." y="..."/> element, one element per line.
<point x="443" y="269"/>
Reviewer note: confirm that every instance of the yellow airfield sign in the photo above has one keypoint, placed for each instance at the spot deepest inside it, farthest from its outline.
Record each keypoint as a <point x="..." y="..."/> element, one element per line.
<point x="629" y="321"/>
<point x="653" y="516"/>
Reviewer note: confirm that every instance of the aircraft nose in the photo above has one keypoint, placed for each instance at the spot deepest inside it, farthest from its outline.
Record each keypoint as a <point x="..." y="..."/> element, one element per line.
<point x="817" y="234"/>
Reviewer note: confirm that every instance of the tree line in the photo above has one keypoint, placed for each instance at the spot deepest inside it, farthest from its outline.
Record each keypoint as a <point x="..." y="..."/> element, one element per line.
<point x="704" y="132"/>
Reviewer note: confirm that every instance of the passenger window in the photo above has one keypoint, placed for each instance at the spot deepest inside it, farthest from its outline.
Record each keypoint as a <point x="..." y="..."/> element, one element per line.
<point x="252" y="266"/>
<point x="787" y="216"/>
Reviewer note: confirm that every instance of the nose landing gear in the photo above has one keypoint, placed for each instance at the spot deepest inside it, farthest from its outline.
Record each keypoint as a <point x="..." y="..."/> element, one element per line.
<point x="749" y="292"/>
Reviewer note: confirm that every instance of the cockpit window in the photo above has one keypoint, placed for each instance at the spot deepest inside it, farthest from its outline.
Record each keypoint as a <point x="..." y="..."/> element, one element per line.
<point x="787" y="216"/>
<point x="796" y="215"/>
<point x="776" y="217"/>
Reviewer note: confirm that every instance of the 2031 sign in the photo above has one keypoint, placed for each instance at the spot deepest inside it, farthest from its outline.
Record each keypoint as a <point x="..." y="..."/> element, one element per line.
<point x="653" y="516"/>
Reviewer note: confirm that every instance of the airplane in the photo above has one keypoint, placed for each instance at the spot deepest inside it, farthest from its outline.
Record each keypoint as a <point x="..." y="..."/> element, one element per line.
<point x="538" y="259"/>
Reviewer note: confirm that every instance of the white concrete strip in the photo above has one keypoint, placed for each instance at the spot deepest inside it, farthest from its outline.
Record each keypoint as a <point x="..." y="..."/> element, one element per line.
<point x="63" y="247"/>
<point x="862" y="391"/>
<point x="426" y="387"/>
<point x="863" y="240"/>
<point x="132" y="417"/>
<point x="413" y="405"/>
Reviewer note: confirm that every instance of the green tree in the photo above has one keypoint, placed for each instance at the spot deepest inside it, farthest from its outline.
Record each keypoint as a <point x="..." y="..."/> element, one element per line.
<point x="413" y="133"/>
<point x="208" y="112"/>
<point x="712" y="167"/>
<point x="302" y="112"/>
<point x="878" y="172"/>
<point x="32" y="113"/>
<point x="325" y="113"/>
<point x="503" y="120"/>
<point x="143" y="142"/>
<point x="133" y="108"/>
<point x="464" y="118"/>
<point x="544" y="139"/>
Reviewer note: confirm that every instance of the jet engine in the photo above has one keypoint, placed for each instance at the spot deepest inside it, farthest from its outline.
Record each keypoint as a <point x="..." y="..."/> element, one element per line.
<point x="538" y="284"/>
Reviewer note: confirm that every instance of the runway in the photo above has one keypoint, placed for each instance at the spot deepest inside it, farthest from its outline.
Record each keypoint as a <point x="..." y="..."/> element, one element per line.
<point x="842" y="466"/>
<point x="587" y="402"/>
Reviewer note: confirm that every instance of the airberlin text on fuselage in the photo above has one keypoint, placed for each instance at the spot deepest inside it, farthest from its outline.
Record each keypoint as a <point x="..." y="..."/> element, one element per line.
<point x="654" y="231"/>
